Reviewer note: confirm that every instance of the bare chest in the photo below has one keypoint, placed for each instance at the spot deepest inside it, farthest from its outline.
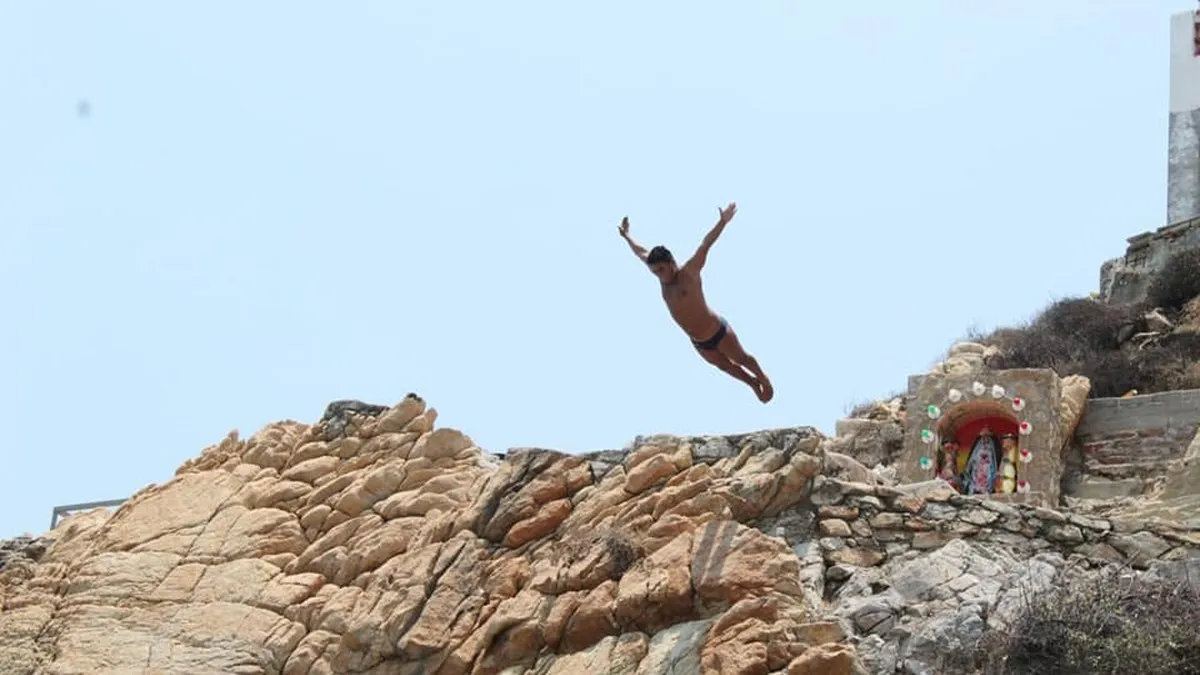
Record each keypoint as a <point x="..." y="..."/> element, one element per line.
<point x="682" y="293"/>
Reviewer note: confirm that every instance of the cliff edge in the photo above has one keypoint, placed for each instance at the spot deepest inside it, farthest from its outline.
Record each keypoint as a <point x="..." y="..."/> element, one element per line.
<point x="371" y="542"/>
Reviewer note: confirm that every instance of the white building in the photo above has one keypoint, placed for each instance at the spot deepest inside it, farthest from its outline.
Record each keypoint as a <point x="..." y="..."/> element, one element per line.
<point x="1183" y="169"/>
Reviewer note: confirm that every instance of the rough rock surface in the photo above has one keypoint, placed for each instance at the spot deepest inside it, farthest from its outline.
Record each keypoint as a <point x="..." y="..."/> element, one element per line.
<point x="372" y="542"/>
<point x="919" y="572"/>
<point x="1175" y="498"/>
<point x="22" y="549"/>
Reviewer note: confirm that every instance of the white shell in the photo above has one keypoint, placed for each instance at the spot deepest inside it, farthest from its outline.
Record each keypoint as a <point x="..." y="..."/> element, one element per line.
<point x="978" y="388"/>
<point x="997" y="391"/>
<point x="954" y="395"/>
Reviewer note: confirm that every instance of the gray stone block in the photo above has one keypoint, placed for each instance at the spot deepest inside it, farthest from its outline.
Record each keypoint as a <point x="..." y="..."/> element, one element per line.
<point x="1171" y="409"/>
<point x="1092" y="487"/>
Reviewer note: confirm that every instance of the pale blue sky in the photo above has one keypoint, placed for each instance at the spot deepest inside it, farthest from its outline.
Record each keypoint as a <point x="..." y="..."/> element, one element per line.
<point x="278" y="204"/>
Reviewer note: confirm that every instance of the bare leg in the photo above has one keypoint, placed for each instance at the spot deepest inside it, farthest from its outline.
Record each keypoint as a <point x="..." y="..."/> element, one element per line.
<point x="721" y="361"/>
<point x="732" y="348"/>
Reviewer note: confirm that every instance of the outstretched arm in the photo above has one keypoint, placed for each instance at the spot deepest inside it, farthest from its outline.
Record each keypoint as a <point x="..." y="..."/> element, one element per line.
<point x="637" y="248"/>
<point x="696" y="262"/>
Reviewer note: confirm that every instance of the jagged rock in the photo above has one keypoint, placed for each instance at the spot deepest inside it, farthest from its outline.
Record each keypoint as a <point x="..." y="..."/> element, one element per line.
<point x="869" y="441"/>
<point x="961" y="348"/>
<point x="963" y="359"/>
<point x="885" y="474"/>
<point x="878" y="655"/>
<point x="846" y="468"/>
<point x="1072" y="400"/>
<point x="962" y="365"/>
<point x="372" y="542"/>
<point x="1185" y="571"/>
<point x="1183" y="476"/>
<point x="940" y="603"/>
<point x="23" y="549"/>
<point x="339" y="414"/>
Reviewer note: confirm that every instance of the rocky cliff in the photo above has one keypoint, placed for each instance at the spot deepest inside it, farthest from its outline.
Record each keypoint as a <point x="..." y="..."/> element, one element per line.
<point x="372" y="542"/>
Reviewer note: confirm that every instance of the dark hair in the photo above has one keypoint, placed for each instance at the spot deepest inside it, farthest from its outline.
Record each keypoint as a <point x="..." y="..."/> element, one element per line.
<point x="659" y="254"/>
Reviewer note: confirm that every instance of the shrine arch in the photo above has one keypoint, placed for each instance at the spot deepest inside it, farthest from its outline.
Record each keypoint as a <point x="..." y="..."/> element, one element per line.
<point x="1021" y="408"/>
<point x="964" y="424"/>
<point x="964" y="421"/>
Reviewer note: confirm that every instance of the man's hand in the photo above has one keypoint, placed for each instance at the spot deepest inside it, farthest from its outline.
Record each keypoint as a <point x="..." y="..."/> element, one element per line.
<point x="696" y="262"/>
<point x="727" y="213"/>
<point x="637" y="248"/>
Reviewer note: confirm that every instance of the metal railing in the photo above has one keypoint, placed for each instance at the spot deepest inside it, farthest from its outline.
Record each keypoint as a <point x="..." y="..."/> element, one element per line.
<point x="60" y="511"/>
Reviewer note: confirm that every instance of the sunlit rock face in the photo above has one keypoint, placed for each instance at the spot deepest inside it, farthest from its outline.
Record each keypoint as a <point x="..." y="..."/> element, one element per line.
<point x="373" y="542"/>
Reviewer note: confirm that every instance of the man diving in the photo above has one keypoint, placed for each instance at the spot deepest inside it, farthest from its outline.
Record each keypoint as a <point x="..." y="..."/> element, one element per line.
<point x="683" y="292"/>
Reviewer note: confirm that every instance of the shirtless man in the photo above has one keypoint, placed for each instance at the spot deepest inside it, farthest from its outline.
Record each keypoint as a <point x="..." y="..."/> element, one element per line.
<point x="684" y="293"/>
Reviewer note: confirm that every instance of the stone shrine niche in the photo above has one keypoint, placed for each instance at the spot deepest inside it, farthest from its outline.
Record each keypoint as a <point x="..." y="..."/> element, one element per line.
<point x="978" y="448"/>
<point x="994" y="434"/>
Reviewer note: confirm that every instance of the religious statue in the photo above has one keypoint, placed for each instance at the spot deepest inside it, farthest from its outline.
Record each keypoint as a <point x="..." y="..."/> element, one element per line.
<point x="949" y="465"/>
<point x="980" y="473"/>
<point x="1006" y="478"/>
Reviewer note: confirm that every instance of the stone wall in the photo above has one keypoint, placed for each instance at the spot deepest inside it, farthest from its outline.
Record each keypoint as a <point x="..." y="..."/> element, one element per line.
<point x="864" y="525"/>
<point x="1124" y="446"/>
<point x="918" y="571"/>
<point x="1125" y="279"/>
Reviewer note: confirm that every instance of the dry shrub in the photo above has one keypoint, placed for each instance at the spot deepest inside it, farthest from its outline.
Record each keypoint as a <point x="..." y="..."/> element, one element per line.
<point x="1177" y="282"/>
<point x="861" y="410"/>
<point x="622" y="551"/>
<point x="1083" y="336"/>
<point x="1117" y="372"/>
<point x="1035" y="347"/>
<point x="1093" y="325"/>
<point x="875" y="409"/>
<point x="1177" y="361"/>
<point x="1066" y="335"/>
<point x="987" y="657"/>
<point x="1111" y="622"/>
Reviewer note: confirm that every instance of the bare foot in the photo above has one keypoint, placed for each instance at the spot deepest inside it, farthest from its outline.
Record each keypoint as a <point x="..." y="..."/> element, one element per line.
<point x="756" y="386"/>
<point x="767" y="393"/>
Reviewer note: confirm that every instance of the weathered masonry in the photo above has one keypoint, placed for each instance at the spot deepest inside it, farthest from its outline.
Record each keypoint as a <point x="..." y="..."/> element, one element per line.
<point x="1124" y="279"/>
<point x="998" y="434"/>
<point x="1123" y="446"/>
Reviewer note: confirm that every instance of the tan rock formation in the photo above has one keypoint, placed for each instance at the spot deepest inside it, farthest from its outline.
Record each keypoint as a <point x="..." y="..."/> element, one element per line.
<point x="1073" y="399"/>
<point x="373" y="543"/>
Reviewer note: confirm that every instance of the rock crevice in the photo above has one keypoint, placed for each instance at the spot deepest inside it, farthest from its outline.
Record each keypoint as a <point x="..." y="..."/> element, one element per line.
<point x="373" y="542"/>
